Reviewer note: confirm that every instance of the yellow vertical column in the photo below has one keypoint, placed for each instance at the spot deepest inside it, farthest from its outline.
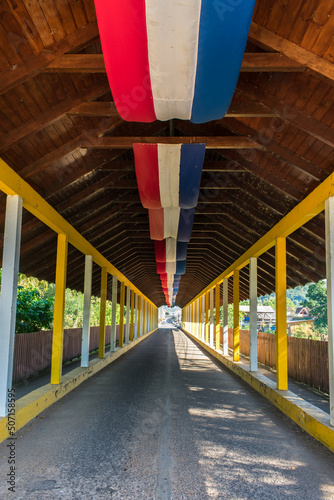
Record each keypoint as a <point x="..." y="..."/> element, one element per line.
<point x="196" y="319"/>
<point x="144" y="314"/>
<point x="207" y="322"/>
<point x="103" y="305"/>
<point x="236" y="299"/>
<point x="59" y="307"/>
<point x="139" y="316"/>
<point x="217" y="332"/>
<point x="132" y="324"/>
<point x="147" y="315"/>
<point x="121" y="315"/>
<point x="281" y="335"/>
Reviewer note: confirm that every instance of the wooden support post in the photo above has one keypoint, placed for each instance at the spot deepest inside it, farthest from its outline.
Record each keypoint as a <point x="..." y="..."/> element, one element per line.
<point x="281" y="335"/>
<point x="113" y="314"/>
<point x="217" y="325"/>
<point x="127" y="325"/>
<point x="236" y="332"/>
<point x="86" y="311"/>
<point x="253" y="313"/>
<point x="8" y="296"/>
<point x="136" y="329"/>
<point x="59" y="308"/>
<point x="207" y="324"/>
<point x="199" y="318"/>
<point x="225" y="317"/>
<point x="329" y="206"/>
<point x="121" y="318"/>
<point x="132" y="315"/>
<point x="103" y="306"/>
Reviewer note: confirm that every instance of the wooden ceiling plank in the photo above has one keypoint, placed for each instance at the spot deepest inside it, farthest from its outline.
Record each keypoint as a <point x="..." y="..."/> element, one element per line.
<point x="31" y="67"/>
<point x="50" y="116"/>
<point x="269" y="40"/>
<point x="220" y="142"/>
<point x="291" y="114"/>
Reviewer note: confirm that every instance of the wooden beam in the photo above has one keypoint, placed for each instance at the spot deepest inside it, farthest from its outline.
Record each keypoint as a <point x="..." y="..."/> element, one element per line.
<point x="270" y="62"/>
<point x="94" y="63"/>
<point x="75" y="41"/>
<point x="269" y="40"/>
<point x="208" y="166"/>
<point x="219" y="142"/>
<point x="236" y="110"/>
<point x="51" y="115"/>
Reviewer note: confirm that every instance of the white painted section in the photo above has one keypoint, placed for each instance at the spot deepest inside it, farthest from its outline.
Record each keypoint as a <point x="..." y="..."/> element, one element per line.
<point x="253" y="312"/>
<point x="170" y="250"/>
<point x="113" y="314"/>
<point x="225" y="317"/>
<point x="171" y="269"/>
<point x="171" y="222"/>
<point x="8" y="297"/>
<point x="169" y="156"/>
<point x="86" y="311"/>
<point x="127" y="321"/>
<point x="172" y="30"/>
<point x="212" y="326"/>
<point x="329" y="210"/>
<point x="203" y="318"/>
<point x="135" y="331"/>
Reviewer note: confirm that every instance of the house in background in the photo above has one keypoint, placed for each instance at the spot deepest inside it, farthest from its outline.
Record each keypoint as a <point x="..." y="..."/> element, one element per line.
<point x="266" y="317"/>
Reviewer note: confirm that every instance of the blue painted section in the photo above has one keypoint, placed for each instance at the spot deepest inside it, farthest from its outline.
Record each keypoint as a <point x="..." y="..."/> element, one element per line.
<point x="181" y="267"/>
<point x="191" y="165"/>
<point x="181" y="250"/>
<point x="185" y="224"/>
<point x="223" y="34"/>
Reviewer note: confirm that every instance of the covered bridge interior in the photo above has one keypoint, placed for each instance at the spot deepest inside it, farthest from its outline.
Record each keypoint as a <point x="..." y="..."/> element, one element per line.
<point x="268" y="165"/>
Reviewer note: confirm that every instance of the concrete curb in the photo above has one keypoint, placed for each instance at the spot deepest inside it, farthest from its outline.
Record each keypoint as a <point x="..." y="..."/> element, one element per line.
<point x="29" y="406"/>
<point x="313" y="420"/>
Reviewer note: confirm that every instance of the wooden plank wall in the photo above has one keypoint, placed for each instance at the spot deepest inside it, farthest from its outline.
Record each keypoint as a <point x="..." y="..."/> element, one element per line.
<point x="32" y="352"/>
<point x="307" y="359"/>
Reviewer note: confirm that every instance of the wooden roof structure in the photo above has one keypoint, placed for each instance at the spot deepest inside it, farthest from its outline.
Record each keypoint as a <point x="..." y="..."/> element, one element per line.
<point x="60" y="131"/>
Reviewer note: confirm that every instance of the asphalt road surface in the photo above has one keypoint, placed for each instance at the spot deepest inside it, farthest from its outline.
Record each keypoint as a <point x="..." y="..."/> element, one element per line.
<point x="165" y="422"/>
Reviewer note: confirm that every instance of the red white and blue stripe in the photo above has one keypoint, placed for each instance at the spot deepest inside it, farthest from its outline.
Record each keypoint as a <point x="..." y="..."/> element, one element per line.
<point x="168" y="178"/>
<point x="173" y="59"/>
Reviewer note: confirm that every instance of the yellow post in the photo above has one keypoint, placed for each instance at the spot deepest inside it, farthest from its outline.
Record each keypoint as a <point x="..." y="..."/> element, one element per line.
<point x="200" y="318"/>
<point x="281" y="336"/>
<point x="196" y="319"/>
<point x="103" y="305"/>
<point x="121" y="312"/>
<point x="143" y="315"/>
<point x="207" y="323"/>
<point x="217" y="335"/>
<point x="132" y="324"/>
<point x="139" y="316"/>
<point x="147" y="317"/>
<point x="236" y="333"/>
<point x="59" y="307"/>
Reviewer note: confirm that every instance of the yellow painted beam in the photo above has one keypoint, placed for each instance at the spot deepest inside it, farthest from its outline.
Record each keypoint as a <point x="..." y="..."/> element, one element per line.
<point x="311" y="206"/>
<point x="121" y="319"/>
<point x="207" y="320"/>
<point x="236" y="300"/>
<point x="196" y="318"/>
<point x="59" y="308"/>
<point x="132" y="324"/>
<point x="200" y="317"/>
<point x="103" y="306"/>
<point x="11" y="183"/>
<point x="281" y="326"/>
<point x="217" y="332"/>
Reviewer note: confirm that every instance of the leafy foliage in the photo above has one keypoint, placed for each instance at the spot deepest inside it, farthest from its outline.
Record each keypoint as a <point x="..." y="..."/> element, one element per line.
<point x="316" y="301"/>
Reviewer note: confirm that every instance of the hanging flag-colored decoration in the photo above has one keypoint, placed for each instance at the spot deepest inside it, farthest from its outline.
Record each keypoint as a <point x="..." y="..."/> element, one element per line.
<point x="168" y="177"/>
<point x="173" y="59"/>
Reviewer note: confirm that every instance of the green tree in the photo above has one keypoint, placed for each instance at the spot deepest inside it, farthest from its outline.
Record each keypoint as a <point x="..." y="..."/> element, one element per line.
<point x="316" y="301"/>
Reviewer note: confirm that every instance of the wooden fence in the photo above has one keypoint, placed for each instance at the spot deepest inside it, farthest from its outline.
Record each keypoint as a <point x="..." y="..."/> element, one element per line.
<point x="32" y="351"/>
<point x="307" y="359"/>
